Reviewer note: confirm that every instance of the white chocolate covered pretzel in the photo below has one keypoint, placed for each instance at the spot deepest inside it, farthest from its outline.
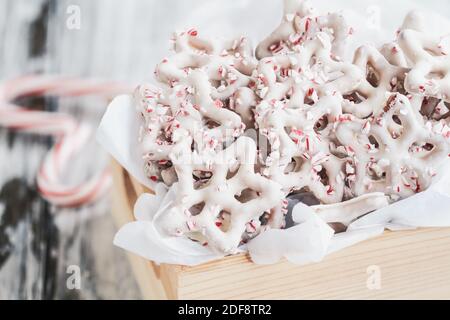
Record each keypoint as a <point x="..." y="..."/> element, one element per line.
<point x="205" y="100"/>
<point x="232" y="173"/>
<point x="300" y="156"/>
<point x="380" y="78"/>
<point x="311" y="72"/>
<point x="356" y="134"/>
<point x="430" y="61"/>
<point x="299" y="25"/>
<point x="426" y="53"/>
<point x="392" y="152"/>
<point x="348" y="211"/>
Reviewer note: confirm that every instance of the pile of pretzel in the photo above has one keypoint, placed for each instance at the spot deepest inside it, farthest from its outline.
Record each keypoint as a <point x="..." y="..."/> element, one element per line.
<point x="364" y="132"/>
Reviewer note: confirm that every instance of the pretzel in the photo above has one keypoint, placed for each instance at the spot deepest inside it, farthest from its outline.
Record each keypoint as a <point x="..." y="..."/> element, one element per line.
<point x="302" y="159"/>
<point x="380" y="78"/>
<point x="394" y="54"/>
<point x="385" y="156"/>
<point x="356" y="134"/>
<point x="425" y="53"/>
<point x="228" y="65"/>
<point x="430" y="74"/>
<point x="300" y="25"/>
<point x="180" y="113"/>
<point x="293" y="136"/>
<point x="350" y="210"/>
<point x="312" y="71"/>
<point x="291" y="125"/>
<point x="220" y="193"/>
<point x="392" y="51"/>
<point x="410" y="50"/>
<point x="202" y="84"/>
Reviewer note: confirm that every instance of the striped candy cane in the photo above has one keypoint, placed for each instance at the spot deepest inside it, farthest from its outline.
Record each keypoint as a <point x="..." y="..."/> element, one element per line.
<point x="70" y="135"/>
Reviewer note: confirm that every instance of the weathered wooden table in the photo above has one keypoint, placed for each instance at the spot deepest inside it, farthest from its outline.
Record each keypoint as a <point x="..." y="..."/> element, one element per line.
<point x="42" y="246"/>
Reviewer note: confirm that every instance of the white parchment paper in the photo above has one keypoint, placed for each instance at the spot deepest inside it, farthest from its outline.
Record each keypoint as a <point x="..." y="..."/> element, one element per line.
<point x="311" y="239"/>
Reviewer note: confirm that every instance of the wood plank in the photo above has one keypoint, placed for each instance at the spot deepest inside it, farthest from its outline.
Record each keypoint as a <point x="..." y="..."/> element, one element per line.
<point x="122" y="211"/>
<point x="38" y="241"/>
<point x="412" y="265"/>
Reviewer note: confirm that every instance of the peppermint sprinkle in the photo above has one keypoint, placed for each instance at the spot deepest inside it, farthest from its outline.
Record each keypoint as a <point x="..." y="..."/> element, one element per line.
<point x="350" y="151"/>
<point x="297" y="132"/>
<point x="307" y="24"/>
<point x="190" y="224"/>
<point x="330" y="190"/>
<point x="250" y="227"/>
<point x="344" y="118"/>
<point x="405" y="182"/>
<point x="221" y="71"/>
<point x="366" y="127"/>
<point x="276" y="47"/>
<point x="192" y="32"/>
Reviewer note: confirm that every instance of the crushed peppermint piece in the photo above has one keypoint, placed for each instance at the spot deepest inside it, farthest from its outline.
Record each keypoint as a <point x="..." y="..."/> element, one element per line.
<point x="192" y="32"/>
<point x="218" y="103"/>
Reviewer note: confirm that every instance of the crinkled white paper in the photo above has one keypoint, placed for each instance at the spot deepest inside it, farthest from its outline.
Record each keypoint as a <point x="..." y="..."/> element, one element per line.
<point x="118" y="134"/>
<point x="311" y="239"/>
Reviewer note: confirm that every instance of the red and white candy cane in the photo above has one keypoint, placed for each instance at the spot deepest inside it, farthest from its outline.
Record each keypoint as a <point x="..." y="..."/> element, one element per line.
<point x="70" y="135"/>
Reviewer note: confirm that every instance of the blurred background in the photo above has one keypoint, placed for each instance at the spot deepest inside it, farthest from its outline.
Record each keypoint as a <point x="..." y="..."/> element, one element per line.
<point x="108" y="39"/>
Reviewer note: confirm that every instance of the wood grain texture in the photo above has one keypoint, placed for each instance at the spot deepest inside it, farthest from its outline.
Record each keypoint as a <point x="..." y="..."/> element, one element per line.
<point x="38" y="241"/>
<point x="411" y="265"/>
<point x="122" y="211"/>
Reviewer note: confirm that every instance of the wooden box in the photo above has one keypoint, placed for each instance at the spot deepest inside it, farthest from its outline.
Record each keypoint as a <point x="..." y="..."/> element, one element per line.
<point x="397" y="265"/>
